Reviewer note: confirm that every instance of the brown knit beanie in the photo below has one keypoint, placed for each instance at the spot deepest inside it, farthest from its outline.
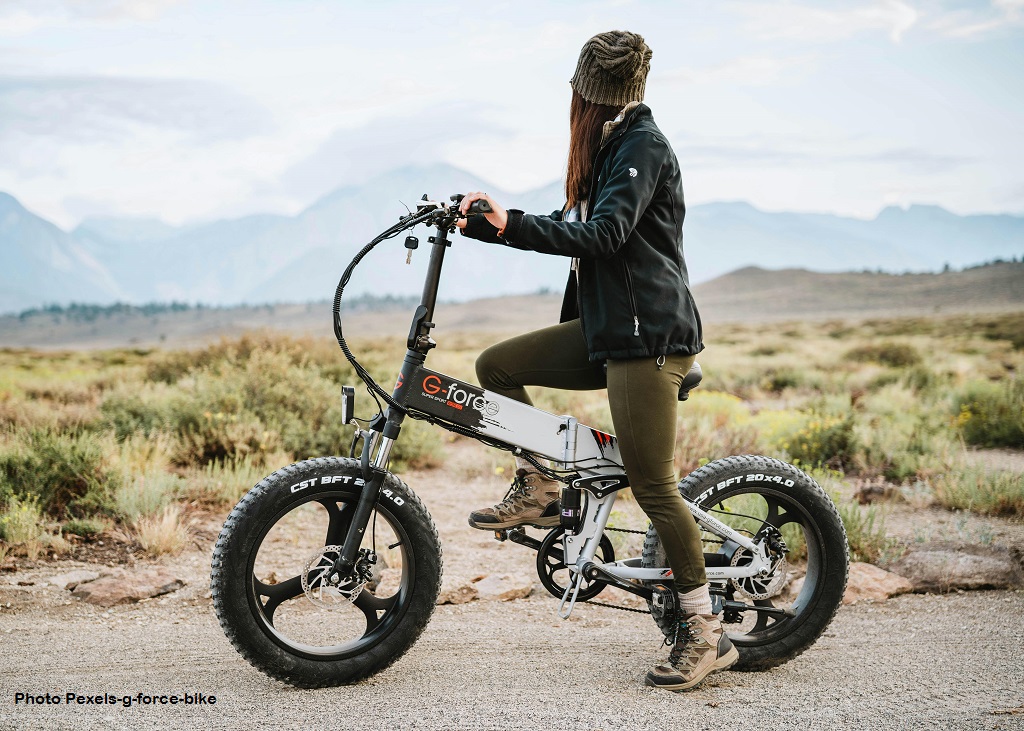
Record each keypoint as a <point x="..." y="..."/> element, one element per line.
<point x="613" y="68"/>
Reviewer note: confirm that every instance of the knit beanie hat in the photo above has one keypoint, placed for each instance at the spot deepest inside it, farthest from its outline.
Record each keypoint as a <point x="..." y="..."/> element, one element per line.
<point x="613" y="68"/>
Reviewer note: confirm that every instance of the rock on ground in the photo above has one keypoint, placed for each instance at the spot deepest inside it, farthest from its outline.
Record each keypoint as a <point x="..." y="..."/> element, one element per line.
<point x="121" y="587"/>
<point x="503" y="588"/>
<point x="868" y="582"/>
<point x="944" y="567"/>
<point x="73" y="578"/>
<point x="458" y="594"/>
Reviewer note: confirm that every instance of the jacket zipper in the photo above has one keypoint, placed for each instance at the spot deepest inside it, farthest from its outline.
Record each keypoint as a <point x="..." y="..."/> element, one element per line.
<point x="632" y="302"/>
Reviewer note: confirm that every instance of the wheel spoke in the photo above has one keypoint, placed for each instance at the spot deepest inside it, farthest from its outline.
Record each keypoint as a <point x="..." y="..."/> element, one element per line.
<point x="277" y="594"/>
<point x="374" y="608"/>
<point x="339" y="519"/>
<point x="777" y="516"/>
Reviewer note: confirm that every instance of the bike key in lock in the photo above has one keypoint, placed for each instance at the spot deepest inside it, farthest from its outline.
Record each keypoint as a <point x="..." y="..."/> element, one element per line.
<point x="411" y="242"/>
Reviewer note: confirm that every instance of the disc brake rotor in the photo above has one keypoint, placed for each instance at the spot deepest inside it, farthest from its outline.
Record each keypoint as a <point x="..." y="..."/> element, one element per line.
<point x="760" y="587"/>
<point x="317" y="586"/>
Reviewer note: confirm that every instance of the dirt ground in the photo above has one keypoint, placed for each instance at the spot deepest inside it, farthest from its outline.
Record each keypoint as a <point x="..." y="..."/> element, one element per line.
<point x="916" y="661"/>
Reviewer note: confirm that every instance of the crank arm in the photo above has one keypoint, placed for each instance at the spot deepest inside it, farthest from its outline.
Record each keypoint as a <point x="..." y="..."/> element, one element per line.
<point x="594" y="572"/>
<point x="730" y="605"/>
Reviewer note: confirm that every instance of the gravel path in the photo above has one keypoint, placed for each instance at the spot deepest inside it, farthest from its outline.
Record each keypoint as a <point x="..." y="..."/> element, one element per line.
<point x="913" y="662"/>
<point x="918" y="661"/>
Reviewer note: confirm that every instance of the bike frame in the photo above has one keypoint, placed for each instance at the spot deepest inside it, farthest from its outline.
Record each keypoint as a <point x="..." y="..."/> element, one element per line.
<point x="591" y="454"/>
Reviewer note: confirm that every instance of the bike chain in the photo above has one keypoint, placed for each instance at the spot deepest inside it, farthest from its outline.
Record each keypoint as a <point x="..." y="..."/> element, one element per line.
<point x="616" y="606"/>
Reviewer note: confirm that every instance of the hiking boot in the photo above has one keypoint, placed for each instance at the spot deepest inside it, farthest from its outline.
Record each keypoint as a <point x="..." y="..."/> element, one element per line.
<point x="701" y="647"/>
<point x="531" y="500"/>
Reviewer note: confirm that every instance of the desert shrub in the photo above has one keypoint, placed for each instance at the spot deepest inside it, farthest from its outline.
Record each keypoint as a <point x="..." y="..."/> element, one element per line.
<point x="220" y="436"/>
<point x="24" y="528"/>
<point x="420" y="446"/>
<point x="893" y="354"/>
<point x="22" y="413"/>
<point x="865" y="530"/>
<point x="145" y="495"/>
<point x="712" y="424"/>
<point x="992" y="414"/>
<point x="224" y="482"/>
<point x="824" y="439"/>
<point x="903" y="434"/>
<point x="85" y="527"/>
<point x="65" y="472"/>
<point x="922" y="379"/>
<point x="163" y="532"/>
<point x="777" y="379"/>
<point x="1002" y="327"/>
<point x="136" y="411"/>
<point x="996" y="492"/>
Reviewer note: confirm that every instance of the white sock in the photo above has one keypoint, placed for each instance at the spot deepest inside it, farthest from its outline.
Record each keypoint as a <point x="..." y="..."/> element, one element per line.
<point x="522" y="464"/>
<point x="697" y="601"/>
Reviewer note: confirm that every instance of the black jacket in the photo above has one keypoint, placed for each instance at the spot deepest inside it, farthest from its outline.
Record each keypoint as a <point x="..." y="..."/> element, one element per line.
<point x="633" y="298"/>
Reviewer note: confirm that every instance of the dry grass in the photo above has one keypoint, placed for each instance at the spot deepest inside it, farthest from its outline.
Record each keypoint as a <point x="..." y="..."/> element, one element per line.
<point x="163" y="532"/>
<point x="125" y="434"/>
<point x="26" y="531"/>
<point x="974" y="488"/>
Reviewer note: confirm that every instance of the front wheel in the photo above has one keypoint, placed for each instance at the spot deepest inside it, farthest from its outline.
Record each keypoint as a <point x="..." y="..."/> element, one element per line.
<point x="272" y="559"/>
<point x="767" y="499"/>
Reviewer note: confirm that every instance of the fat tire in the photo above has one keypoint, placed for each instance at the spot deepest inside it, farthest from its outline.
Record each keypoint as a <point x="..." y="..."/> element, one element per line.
<point x="707" y="485"/>
<point x="252" y="517"/>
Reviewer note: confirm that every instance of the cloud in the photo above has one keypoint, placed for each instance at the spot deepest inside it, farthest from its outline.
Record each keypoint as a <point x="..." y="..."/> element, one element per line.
<point x="19" y="17"/>
<point x="90" y="109"/>
<point x="814" y="24"/>
<point x="742" y="70"/>
<point x="418" y="137"/>
<point x="974" y="22"/>
<point x="787" y="153"/>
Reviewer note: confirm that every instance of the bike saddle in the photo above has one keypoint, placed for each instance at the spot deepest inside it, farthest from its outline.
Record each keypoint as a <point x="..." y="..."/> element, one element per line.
<point x="690" y="381"/>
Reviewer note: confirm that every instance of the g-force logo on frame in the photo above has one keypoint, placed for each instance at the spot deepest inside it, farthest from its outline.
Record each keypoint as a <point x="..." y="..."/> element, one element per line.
<point x="456" y="397"/>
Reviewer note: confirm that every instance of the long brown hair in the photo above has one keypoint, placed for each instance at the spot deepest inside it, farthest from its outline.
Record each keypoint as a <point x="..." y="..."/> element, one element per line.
<point x="586" y="120"/>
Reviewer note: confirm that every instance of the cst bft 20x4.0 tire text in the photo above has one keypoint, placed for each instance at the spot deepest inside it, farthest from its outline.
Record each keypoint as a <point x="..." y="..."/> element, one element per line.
<point x="264" y="590"/>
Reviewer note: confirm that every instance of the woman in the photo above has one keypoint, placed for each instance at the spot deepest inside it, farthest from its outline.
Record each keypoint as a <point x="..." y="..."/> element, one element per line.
<point x="627" y="305"/>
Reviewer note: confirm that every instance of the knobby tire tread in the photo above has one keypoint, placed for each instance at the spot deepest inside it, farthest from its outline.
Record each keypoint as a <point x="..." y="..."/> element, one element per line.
<point x="428" y="568"/>
<point x="793" y="644"/>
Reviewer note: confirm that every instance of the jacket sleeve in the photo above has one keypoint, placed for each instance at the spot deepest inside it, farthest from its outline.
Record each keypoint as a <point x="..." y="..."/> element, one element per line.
<point x="479" y="228"/>
<point x="633" y="177"/>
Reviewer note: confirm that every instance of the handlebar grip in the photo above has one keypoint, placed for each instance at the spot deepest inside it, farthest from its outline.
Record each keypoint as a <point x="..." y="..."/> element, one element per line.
<point x="479" y="206"/>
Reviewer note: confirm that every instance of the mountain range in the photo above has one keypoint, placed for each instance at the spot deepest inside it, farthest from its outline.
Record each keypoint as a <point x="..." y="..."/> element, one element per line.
<point x="276" y="258"/>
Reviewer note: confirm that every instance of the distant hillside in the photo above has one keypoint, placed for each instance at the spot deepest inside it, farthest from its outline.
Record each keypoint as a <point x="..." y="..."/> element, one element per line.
<point x="760" y="294"/>
<point x="271" y="258"/>
<point x="748" y="295"/>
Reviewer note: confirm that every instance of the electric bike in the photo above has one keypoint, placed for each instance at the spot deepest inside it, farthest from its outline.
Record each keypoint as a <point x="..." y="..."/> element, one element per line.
<point x="328" y="570"/>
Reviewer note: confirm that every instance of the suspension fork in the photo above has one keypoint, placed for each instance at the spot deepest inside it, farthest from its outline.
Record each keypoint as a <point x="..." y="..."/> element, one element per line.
<point x="375" y="469"/>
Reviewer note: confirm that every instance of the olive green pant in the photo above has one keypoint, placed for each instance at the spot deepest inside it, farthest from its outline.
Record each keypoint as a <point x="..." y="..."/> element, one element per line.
<point x="642" y="395"/>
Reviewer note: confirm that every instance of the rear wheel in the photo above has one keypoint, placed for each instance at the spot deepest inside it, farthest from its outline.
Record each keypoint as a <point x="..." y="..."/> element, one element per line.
<point x="271" y="575"/>
<point x="766" y="499"/>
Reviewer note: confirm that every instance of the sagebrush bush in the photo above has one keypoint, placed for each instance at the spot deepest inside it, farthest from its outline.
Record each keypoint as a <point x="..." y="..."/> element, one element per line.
<point x="893" y="354"/>
<point x="823" y="440"/>
<point x="974" y="488"/>
<point x="992" y="414"/>
<point x="68" y="473"/>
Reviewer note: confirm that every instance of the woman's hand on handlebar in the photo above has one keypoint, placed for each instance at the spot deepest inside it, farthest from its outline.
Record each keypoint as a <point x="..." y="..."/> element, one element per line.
<point x="498" y="217"/>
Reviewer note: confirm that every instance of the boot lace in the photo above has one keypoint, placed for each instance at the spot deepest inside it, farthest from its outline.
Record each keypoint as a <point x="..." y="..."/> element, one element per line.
<point x="683" y="646"/>
<point x="516" y="492"/>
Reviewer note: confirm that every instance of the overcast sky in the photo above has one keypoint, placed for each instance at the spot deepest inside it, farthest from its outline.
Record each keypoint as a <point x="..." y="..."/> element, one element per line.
<point x="190" y="111"/>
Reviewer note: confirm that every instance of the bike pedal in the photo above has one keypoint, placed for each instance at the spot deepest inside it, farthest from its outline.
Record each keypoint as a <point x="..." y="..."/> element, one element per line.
<point x="501" y="535"/>
<point x="663" y="601"/>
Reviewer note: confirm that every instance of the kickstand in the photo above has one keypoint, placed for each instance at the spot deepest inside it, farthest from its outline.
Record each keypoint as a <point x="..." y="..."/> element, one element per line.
<point x="574" y="587"/>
